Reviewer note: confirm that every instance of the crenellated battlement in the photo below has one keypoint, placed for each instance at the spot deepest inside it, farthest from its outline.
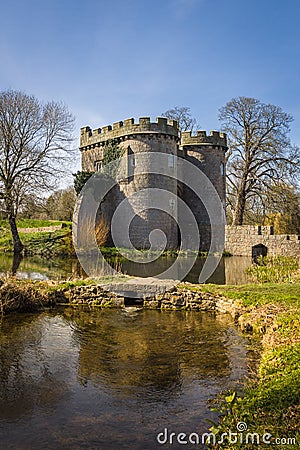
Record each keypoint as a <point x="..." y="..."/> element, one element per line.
<point x="214" y="138"/>
<point x="127" y="127"/>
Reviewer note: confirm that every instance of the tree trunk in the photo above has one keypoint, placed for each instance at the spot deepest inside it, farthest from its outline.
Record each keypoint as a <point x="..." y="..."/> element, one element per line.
<point x="16" y="263"/>
<point x="11" y="214"/>
<point x="18" y="246"/>
<point x="239" y="207"/>
<point x="238" y="214"/>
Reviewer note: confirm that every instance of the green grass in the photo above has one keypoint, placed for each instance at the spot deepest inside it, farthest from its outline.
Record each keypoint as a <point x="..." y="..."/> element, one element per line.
<point x="6" y="244"/>
<point x="270" y="405"/>
<point x="254" y="294"/>
<point x="274" y="269"/>
<point x="105" y="279"/>
<point x="32" y="223"/>
<point x="56" y="243"/>
<point x="113" y="251"/>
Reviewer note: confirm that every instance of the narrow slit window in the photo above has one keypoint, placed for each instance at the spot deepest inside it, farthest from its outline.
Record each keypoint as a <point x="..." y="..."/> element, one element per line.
<point x="223" y="170"/>
<point x="131" y="157"/>
<point x="172" y="203"/>
<point x="171" y="160"/>
<point x="98" y="166"/>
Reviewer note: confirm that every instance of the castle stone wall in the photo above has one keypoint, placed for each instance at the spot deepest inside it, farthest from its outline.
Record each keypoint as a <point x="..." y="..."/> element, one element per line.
<point x="89" y="158"/>
<point x="241" y="239"/>
<point x="207" y="152"/>
<point x="141" y="146"/>
<point x="141" y="136"/>
<point x="119" y="130"/>
<point x="138" y="141"/>
<point x="214" y="138"/>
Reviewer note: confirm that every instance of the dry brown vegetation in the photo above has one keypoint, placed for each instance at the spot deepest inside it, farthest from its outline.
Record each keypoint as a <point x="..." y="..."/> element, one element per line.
<point x="18" y="295"/>
<point x="101" y="232"/>
<point x="88" y="231"/>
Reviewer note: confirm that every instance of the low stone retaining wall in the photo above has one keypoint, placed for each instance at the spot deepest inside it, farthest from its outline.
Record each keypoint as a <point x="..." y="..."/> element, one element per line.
<point x="18" y="295"/>
<point x="251" y="240"/>
<point x="40" y="229"/>
<point x="176" y="299"/>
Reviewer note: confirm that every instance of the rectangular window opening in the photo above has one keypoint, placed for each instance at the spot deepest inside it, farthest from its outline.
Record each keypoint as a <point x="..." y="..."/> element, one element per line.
<point x="98" y="166"/>
<point x="171" y="161"/>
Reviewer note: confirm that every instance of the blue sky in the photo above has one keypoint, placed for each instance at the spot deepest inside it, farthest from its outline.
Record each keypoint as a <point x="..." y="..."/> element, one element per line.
<point x="109" y="61"/>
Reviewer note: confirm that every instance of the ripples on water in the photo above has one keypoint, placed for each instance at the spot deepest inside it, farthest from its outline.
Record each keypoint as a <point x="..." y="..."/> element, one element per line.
<point x="112" y="379"/>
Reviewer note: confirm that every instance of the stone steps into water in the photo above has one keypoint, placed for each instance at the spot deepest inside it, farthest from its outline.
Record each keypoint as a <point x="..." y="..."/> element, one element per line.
<point x="139" y="287"/>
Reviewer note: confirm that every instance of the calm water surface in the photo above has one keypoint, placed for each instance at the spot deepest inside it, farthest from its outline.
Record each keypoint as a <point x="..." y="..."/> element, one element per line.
<point x="112" y="379"/>
<point x="231" y="270"/>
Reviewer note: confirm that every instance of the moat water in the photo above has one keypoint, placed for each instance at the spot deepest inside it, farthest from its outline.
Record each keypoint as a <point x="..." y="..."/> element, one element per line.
<point x="231" y="270"/>
<point x="113" y="379"/>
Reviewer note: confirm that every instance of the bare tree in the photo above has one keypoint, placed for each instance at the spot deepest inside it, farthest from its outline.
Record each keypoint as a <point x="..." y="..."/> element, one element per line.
<point x="260" y="153"/>
<point x="60" y="205"/>
<point x="35" y="139"/>
<point x="183" y="116"/>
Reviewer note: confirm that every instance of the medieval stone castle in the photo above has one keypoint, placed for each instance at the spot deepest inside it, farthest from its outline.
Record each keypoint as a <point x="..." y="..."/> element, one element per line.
<point x="205" y="151"/>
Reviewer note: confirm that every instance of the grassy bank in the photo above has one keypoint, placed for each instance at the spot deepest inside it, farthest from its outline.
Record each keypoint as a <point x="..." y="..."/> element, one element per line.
<point x="18" y="295"/>
<point x="54" y="243"/>
<point x="254" y="295"/>
<point x="271" y="310"/>
<point x="271" y="403"/>
<point x="24" y="296"/>
<point x="31" y="223"/>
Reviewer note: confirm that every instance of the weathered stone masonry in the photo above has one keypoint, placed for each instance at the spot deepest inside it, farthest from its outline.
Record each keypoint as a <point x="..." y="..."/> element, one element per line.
<point x="252" y="240"/>
<point x="205" y="151"/>
<point x="176" y="298"/>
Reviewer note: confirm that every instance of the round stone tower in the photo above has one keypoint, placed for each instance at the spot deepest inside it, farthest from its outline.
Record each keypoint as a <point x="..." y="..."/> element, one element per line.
<point x="208" y="154"/>
<point x="138" y="141"/>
